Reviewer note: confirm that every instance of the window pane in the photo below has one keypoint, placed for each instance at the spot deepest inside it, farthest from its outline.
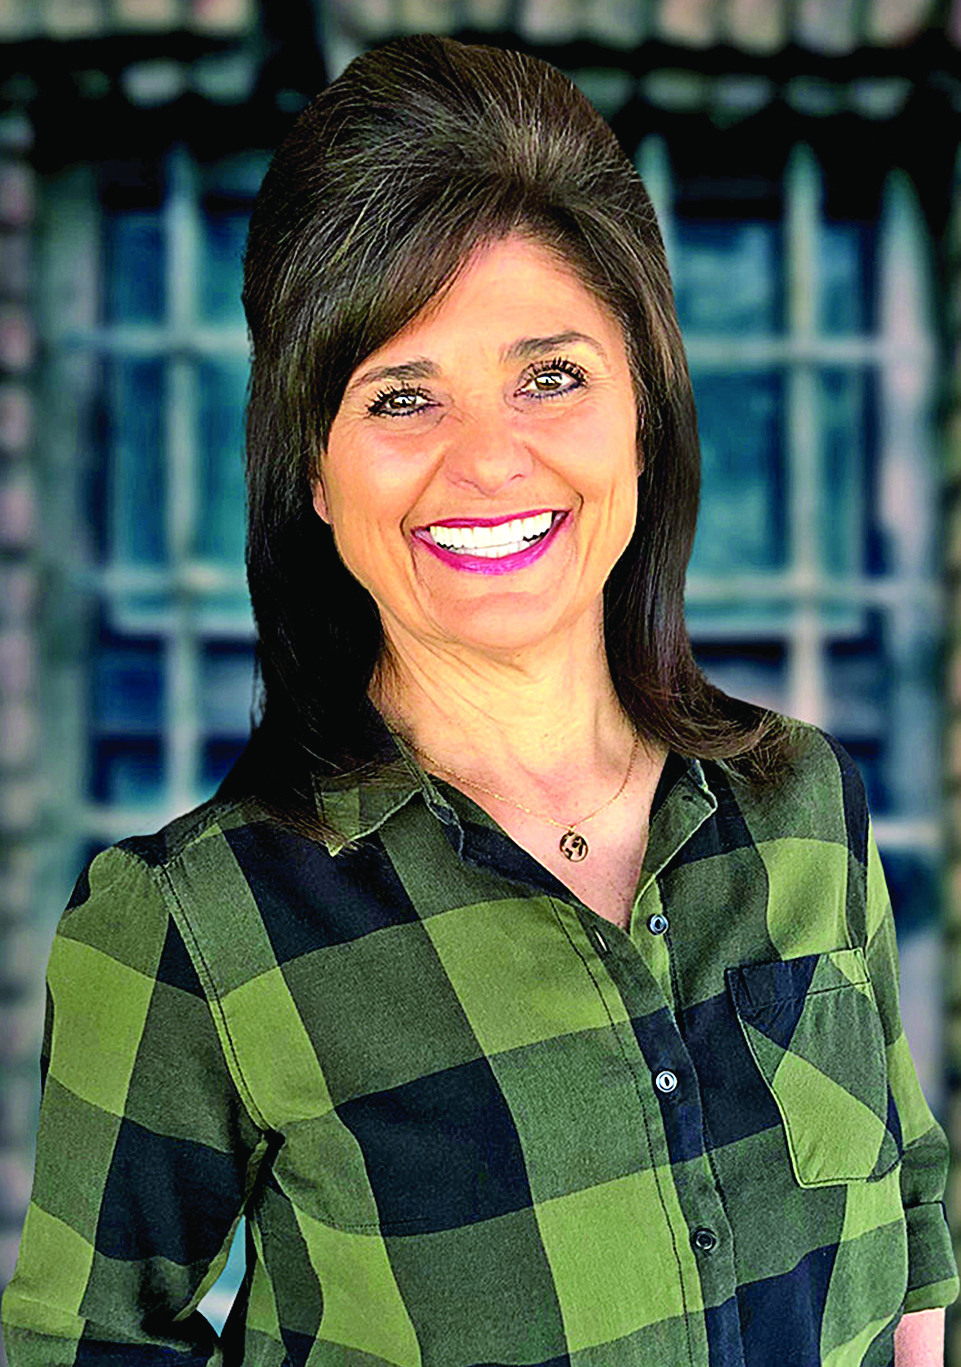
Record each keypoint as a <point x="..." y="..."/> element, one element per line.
<point x="134" y="267"/>
<point x="220" y="530"/>
<point x="726" y="276"/>
<point x="741" y="525"/>
<point x="128" y="687"/>
<point x="844" y="267"/>
<point x="127" y="769"/>
<point x="134" y="394"/>
<point x="226" y="689"/>
<point x="221" y="267"/>
<point x="216" y="760"/>
<point x="845" y="435"/>
<point x="914" y="882"/>
<point x="755" y="670"/>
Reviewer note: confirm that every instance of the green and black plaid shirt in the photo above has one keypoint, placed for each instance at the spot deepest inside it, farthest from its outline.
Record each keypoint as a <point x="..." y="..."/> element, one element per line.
<point x="468" y="1120"/>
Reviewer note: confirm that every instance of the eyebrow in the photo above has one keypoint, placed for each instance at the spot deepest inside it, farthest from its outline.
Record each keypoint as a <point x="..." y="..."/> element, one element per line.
<point x="422" y="368"/>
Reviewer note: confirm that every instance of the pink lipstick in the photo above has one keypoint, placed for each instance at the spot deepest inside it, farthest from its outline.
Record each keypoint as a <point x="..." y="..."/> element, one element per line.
<point x="481" y="564"/>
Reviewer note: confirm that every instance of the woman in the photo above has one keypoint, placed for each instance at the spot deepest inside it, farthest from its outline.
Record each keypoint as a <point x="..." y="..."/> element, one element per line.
<point x="534" y="1001"/>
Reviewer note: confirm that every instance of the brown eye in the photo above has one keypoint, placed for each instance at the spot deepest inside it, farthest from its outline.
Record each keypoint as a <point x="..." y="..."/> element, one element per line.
<point x="552" y="379"/>
<point x="399" y="403"/>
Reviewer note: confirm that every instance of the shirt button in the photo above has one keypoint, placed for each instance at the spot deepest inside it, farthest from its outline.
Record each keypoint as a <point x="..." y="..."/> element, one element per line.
<point x="704" y="1239"/>
<point x="666" y="1081"/>
<point x="657" y="924"/>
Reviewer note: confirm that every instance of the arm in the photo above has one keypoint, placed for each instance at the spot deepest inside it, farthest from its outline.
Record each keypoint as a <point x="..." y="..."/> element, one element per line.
<point x="919" y="1339"/>
<point x="145" y="1153"/>
<point x="932" y="1271"/>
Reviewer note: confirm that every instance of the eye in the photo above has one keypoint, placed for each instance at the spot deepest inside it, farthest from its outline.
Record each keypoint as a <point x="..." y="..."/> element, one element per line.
<point x="399" y="403"/>
<point x="551" y="379"/>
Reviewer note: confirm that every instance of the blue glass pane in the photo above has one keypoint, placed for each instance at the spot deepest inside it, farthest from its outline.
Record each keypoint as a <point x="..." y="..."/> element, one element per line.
<point x="137" y="493"/>
<point x="913" y="879"/>
<point x="133" y="267"/>
<point x="217" y="759"/>
<point x="845" y="434"/>
<point x="128" y="688"/>
<point x="844" y="266"/>
<point x="221" y="266"/>
<point x="127" y="770"/>
<point x="755" y="670"/>
<point x="226" y="690"/>
<point x="727" y="276"/>
<point x="220" y="533"/>
<point x="859" y="681"/>
<point x="741" y="525"/>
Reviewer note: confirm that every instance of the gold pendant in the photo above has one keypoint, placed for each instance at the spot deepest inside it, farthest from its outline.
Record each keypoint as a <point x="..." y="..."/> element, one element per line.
<point x="573" y="846"/>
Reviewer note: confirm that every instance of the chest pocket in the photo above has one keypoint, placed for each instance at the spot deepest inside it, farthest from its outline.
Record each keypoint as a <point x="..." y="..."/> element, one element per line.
<point x="813" y="1029"/>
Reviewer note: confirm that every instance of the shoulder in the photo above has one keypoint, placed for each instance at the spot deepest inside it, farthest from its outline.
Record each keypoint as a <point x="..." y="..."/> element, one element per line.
<point x="132" y="880"/>
<point x="179" y="902"/>
<point x="817" y="793"/>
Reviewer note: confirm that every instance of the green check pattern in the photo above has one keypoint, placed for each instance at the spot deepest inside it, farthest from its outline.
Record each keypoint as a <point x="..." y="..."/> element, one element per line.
<point x="469" y="1122"/>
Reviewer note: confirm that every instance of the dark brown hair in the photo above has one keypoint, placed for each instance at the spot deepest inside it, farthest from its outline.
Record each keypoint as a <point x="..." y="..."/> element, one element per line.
<point x="420" y="152"/>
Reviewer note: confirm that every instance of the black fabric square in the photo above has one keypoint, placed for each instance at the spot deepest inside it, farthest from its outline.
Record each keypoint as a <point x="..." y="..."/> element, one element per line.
<point x="440" y="1151"/>
<point x="152" y="849"/>
<point x="92" y="1352"/>
<point x="722" y="832"/>
<point x="781" y="1316"/>
<point x="771" y="996"/>
<point x="723" y="1328"/>
<point x="176" y="967"/>
<point x="165" y="1197"/>
<point x="735" y="1099"/>
<point x="308" y="898"/>
<point x="854" y="799"/>
<point x="674" y="769"/>
<point x="81" y="890"/>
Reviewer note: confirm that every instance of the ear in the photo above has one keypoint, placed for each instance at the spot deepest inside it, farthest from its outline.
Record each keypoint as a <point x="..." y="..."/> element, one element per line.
<point x="319" y="499"/>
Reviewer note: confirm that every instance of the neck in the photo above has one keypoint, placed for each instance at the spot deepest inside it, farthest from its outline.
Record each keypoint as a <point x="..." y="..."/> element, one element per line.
<point x="537" y="719"/>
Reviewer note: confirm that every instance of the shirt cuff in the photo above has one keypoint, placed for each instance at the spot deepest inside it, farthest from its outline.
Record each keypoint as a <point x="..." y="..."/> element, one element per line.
<point x="932" y="1269"/>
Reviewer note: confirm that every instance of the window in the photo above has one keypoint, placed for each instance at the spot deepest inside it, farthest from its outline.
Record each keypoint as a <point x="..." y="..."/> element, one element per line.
<point x="805" y="303"/>
<point x="812" y="584"/>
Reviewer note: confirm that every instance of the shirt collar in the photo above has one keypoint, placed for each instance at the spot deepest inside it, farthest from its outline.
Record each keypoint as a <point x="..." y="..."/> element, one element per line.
<point x="355" y="806"/>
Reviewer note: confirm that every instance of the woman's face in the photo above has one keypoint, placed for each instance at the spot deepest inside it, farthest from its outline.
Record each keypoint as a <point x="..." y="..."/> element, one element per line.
<point x="480" y="477"/>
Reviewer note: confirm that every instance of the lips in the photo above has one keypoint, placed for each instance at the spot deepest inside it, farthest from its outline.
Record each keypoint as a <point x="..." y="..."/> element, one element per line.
<point x="492" y="545"/>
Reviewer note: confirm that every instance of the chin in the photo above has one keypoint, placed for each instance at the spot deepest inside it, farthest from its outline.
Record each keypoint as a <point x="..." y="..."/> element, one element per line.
<point x="501" y="629"/>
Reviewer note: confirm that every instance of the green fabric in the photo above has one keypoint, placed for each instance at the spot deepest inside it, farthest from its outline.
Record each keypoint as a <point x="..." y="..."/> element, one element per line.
<point x="424" y="1072"/>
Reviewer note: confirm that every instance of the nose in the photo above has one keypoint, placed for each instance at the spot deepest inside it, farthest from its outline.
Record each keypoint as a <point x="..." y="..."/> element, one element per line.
<point x="486" y="454"/>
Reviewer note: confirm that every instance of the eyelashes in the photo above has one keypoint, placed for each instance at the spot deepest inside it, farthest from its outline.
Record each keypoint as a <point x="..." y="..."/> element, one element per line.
<point x="559" y="363"/>
<point x="386" y="396"/>
<point x="386" y="402"/>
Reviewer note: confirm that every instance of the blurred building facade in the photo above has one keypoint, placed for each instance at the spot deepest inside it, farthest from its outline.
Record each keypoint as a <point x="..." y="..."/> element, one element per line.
<point x="803" y="160"/>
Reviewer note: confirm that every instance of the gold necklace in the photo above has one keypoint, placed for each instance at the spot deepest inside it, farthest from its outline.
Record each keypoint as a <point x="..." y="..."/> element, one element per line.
<point x="572" y="844"/>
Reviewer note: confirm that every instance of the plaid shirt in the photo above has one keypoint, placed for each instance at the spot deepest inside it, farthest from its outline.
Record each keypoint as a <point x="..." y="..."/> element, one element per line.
<point x="468" y="1120"/>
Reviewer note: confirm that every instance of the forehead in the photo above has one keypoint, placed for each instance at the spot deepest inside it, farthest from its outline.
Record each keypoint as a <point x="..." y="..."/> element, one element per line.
<point x="514" y="283"/>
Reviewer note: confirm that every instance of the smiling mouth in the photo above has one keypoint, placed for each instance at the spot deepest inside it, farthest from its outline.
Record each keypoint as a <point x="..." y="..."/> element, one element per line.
<point x="493" y="542"/>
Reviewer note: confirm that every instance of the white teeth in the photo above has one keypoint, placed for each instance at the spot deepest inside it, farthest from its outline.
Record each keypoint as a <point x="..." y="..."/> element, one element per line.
<point x="506" y="538"/>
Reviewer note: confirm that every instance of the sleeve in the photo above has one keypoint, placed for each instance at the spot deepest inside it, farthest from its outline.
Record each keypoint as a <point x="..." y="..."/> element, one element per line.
<point x="146" y="1154"/>
<point x="932" y="1270"/>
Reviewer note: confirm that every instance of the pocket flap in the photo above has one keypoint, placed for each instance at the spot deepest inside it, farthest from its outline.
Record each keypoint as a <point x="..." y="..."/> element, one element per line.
<point x="814" y="1031"/>
<point x="757" y="986"/>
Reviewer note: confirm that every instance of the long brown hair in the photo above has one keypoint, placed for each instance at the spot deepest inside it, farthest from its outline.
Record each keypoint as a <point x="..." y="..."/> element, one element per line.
<point x="421" y="151"/>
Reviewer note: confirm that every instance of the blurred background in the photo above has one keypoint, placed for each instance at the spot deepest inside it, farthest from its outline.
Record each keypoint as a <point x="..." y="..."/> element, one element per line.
<point x="803" y="159"/>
